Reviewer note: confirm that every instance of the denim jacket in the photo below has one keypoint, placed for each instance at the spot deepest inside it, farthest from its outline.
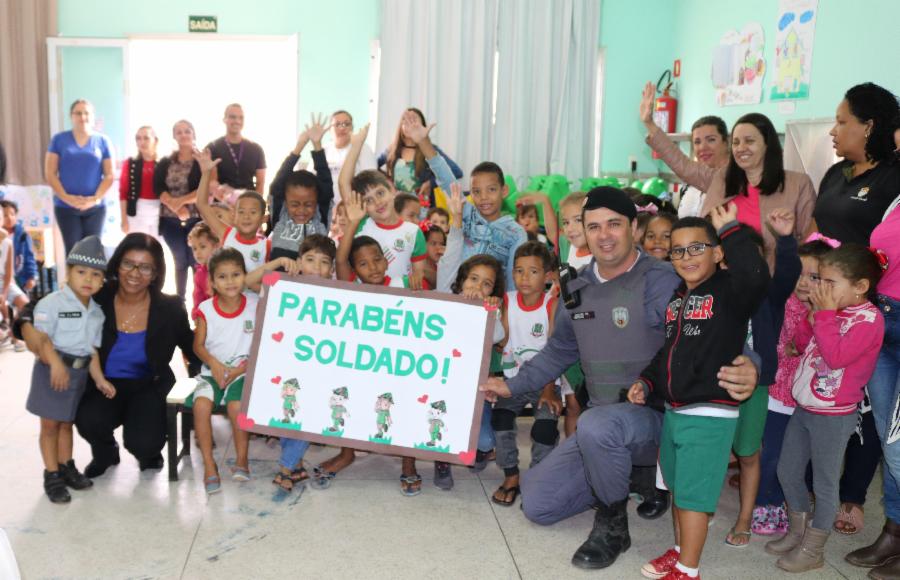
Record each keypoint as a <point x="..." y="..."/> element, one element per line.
<point x="498" y="238"/>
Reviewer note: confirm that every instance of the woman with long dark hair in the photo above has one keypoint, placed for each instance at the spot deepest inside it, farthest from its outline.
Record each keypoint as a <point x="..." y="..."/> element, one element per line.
<point x="142" y="328"/>
<point x="754" y="179"/>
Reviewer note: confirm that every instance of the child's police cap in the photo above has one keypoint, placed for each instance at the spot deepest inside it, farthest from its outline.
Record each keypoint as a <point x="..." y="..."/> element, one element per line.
<point x="610" y="198"/>
<point x="88" y="252"/>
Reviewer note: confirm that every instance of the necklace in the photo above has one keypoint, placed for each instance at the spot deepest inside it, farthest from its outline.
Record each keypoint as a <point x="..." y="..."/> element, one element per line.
<point x="134" y="319"/>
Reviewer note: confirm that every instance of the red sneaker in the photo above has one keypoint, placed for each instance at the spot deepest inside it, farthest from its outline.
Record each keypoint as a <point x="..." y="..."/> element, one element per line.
<point x="677" y="574"/>
<point x="662" y="566"/>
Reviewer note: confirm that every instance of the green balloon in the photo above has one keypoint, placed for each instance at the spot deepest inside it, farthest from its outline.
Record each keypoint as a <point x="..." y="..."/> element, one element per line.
<point x="637" y="184"/>
<point x="655" y="186"/>
<point x="610" y="181"/>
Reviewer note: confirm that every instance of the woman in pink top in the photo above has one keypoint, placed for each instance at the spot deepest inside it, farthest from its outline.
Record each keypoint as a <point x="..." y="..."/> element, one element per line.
<point x="755" y="178"/>
<point x="883" y="388"/>
<point x="840" y="348"/>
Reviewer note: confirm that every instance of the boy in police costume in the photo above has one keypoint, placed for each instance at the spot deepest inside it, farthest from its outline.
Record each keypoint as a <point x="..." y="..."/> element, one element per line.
<point x="69" y="323"/>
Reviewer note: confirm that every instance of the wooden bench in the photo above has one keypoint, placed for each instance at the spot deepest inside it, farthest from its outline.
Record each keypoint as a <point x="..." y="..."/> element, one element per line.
<point x="175" y="404"/>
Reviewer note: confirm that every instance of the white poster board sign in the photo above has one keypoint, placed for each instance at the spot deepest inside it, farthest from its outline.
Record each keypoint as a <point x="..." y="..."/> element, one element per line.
<point x="374" y="368"/>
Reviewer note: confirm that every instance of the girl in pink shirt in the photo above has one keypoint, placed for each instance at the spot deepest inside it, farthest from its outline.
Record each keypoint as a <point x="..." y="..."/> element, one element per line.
<point x="203" y="242"/>
<point x="770" y="514"/>
<point x="840" y="347"/>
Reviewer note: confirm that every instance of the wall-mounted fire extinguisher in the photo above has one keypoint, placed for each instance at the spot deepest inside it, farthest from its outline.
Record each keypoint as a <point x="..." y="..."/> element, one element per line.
<point x="665" y="107"/>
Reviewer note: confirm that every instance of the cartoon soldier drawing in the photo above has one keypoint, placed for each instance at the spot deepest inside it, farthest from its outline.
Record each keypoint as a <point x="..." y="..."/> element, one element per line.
<point x="337" y="402"/>
<point x="289" y="396"/>
<point x="383" y="414"/>
<point x="435" y="421"/>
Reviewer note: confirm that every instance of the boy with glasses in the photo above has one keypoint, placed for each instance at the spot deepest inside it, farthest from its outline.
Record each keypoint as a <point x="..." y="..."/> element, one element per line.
<point x="706" y="327"/>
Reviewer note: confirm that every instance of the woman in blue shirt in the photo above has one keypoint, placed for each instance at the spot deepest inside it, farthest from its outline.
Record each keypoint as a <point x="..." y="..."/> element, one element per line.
<point x="79" y="168"/>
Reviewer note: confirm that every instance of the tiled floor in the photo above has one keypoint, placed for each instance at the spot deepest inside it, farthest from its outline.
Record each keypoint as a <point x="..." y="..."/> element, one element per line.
<point x="138" y="525"/>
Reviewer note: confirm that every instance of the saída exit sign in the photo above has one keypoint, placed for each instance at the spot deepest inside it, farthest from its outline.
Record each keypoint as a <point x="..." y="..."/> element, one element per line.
<point x="203" y="24"/>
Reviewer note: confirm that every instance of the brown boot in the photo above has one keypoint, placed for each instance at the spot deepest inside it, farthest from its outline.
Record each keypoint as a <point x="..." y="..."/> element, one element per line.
<point x="809" y="555"/>
<point x="797" y="524"/>
<point x="889" y="571"/>
<point x="882" y="551"/>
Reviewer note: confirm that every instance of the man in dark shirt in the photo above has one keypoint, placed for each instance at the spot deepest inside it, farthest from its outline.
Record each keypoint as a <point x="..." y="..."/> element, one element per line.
<point x="243" y="163"/>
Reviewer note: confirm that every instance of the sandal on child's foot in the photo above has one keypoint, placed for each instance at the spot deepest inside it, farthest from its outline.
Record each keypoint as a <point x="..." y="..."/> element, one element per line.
<point x="299" y="476"/>
<point x="241" y="474"/>
<point x="737" y="539"/>
<point x="284" y="481"/>
<point x="508" y="495"/>
<point x="213" y="484"/>
<point x="322" y="479"/>
<point x="411" y="485"/>
<point x="849" y="519"/>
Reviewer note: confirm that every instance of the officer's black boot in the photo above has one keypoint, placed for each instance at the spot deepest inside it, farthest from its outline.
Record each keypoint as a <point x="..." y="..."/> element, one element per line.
<point x="607" y="540"/>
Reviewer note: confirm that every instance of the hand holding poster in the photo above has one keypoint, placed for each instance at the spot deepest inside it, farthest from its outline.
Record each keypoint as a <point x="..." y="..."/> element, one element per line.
<point x="369" y="367"/>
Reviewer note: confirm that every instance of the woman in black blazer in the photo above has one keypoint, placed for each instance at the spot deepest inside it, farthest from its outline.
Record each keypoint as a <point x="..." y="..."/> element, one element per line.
<point x="143" y="327"/>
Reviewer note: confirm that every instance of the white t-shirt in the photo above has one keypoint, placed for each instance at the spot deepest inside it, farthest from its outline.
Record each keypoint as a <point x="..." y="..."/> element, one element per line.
<point x="256" y="252"/>
<point x="228" y="336"/>
<point x="402" y="244"/>
<point x="529" y="329"/>
<point x="337" y="156"/>
<point x="691" y="202"/>
<point x="577" y="261"/>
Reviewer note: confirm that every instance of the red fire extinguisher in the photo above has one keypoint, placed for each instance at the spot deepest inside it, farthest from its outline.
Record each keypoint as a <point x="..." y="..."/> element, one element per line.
<point x="665" y="107"/>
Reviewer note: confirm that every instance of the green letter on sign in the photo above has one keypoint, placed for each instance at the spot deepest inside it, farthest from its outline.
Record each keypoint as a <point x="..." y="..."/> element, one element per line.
<point x="203" y="24"/>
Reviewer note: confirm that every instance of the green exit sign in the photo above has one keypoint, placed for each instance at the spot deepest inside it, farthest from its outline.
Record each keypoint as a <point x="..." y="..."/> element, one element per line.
<point x="203" y="24"/>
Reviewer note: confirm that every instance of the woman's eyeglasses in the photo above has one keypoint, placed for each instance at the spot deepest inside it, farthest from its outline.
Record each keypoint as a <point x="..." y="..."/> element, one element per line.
<point x="343" y="124"/>
<point x="144" y="269"/>
<point x="693" y="250"/>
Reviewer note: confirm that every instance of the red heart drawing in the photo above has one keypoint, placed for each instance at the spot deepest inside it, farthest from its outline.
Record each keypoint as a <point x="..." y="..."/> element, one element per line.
<point x="490" y="307"/>
<point x="456" y="353"/>
<point x="246" y="423"/>
<point x="278" y="336"/>
<point x="468" y="457"/>
<point x="276" y="380"/>
<point x="423" y="399"/>
<point x="270" y="278"/>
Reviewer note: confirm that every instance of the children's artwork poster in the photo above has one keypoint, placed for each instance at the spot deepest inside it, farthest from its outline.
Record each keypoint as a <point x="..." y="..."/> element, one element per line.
<point x="794" y="37"/>
<point x="35" y="203"/>
<point x="739" y="65"/>
<point x="380" y="369"/>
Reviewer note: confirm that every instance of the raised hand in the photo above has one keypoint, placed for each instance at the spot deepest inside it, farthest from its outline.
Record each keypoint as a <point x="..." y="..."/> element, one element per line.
<point x="204" y="160"/>
<point x="356" y="209"/>
<point x="455" y="204"/>
<point x="723" y="215"/>
<point x="648" y="98"/>
<point x="412" y="127"/>
<point x="782" y="221"/>
<point x="316" y="129"/>
<point x="358" y="138"/>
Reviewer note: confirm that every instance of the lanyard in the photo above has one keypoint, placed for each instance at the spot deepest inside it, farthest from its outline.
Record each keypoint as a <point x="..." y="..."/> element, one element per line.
<point x="240" y="155"/>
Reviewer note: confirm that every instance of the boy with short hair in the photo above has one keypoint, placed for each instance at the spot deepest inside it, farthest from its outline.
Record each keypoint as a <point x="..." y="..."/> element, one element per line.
<point x="249" y="216"/>
<point x="402" y="243"/>
<point x="408" y="207"/>
<point x="707" y="321"/>
<point x="300" y="199"/>
<point x="528" y="313"/>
